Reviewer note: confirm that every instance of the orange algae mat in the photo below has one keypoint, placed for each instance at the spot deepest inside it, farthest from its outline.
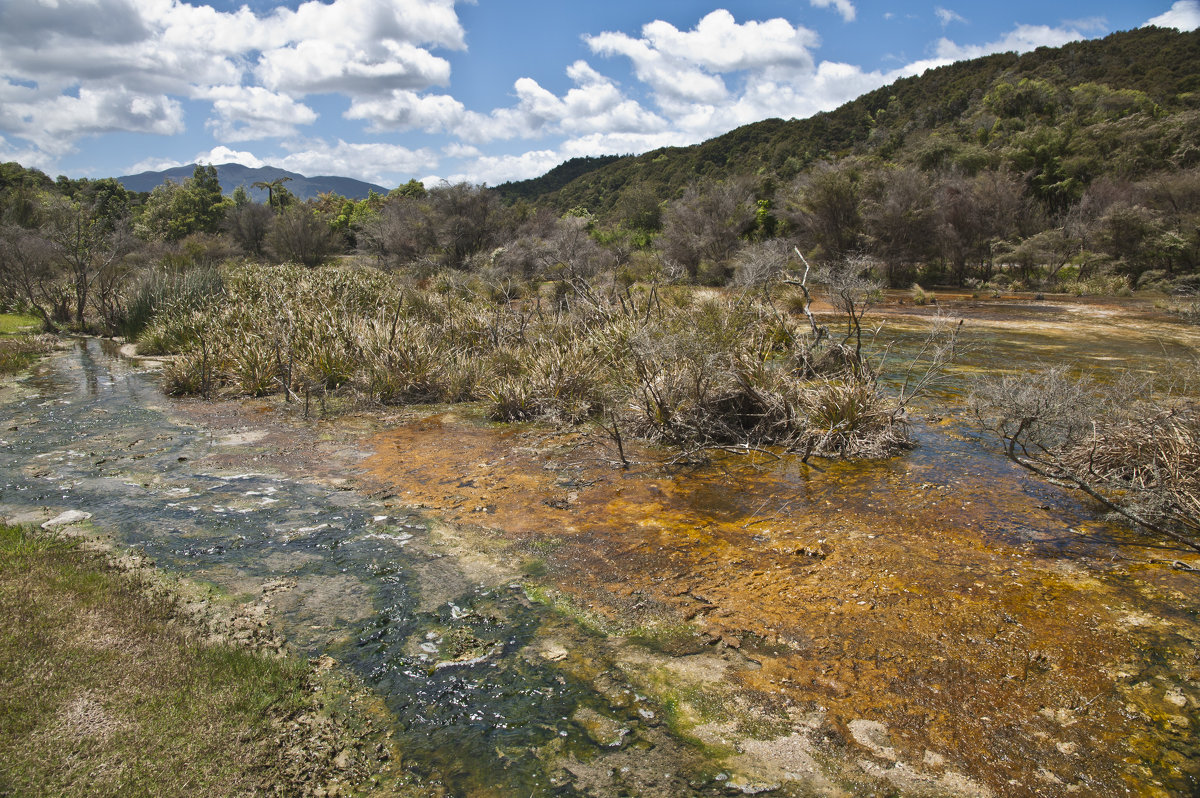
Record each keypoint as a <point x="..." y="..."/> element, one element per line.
<point x="938" y="612"/>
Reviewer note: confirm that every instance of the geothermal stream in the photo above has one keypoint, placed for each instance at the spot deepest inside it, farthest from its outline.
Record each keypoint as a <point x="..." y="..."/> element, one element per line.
<point x="541" y="623"/>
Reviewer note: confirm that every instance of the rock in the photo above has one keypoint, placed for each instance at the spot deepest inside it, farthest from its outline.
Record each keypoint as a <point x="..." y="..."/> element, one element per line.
<point x="872" y="735"/>
<point x="66" y="519"/>
<point x="343" y="760"/>
<point x="602" y="730"/>
<point x="743" y="785"/>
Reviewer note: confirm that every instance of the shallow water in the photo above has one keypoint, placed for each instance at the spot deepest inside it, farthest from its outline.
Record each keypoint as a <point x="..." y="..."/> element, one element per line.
<point x="935" y="622"/>
<point x="342" y="573"/>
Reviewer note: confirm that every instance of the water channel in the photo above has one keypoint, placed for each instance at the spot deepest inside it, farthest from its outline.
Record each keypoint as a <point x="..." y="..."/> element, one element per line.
<point x="540" y="623"/>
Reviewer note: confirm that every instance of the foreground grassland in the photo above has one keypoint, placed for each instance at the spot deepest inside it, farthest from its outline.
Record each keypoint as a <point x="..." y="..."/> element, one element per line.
<point x="102" y="694"/>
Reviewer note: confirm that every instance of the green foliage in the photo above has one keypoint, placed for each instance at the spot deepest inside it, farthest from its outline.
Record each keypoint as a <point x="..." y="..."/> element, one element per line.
<point x="1144" y="76"/>
<point x="175" y="210"/>
<point x="413" y="189"/>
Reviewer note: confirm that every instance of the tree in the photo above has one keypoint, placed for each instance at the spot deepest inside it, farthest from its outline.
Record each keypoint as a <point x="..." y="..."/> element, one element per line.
<point x="86" y="244"/>
<point x="900" y="222"/>
<point x="823" y="206"/>
<point x="466" y="220"/>
<point x="705" y="226"/>
<point x="30" y="274"/>
<point x="413" y="189"/>
<point x="401" y="232"/>
<point x="175" y="210"/>
<point x="275" y="191"/>
<point x="241" y="197"/>
<point x="206" y="203"/>
<point x="298" y="234"/>
<point x="248" y="225"/>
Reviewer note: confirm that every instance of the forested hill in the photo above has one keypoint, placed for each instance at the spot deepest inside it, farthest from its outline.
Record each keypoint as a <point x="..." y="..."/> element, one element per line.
<point x="232" y="175"/>
<point x="1065" y="109"/>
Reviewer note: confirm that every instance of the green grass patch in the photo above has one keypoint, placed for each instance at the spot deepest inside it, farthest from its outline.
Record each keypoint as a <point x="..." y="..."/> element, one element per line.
<point x="102" y="693"/>
<point x="18" y="323"/>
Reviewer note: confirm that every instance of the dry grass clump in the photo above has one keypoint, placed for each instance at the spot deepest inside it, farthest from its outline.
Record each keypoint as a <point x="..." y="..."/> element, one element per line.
<point x="19" y="351"/>
<point x="685" y="368"/>
<point x="1133" y="451"/>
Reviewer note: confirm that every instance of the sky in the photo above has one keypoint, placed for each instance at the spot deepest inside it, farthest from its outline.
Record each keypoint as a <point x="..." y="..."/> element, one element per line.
<point x="483" y="91"/>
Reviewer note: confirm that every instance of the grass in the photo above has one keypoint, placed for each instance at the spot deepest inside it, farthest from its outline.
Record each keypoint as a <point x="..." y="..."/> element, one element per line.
<point x="685" y="368"/>
<point x="20" y="346"/>
<point x="102" y="693"/>
<point x="11" y="323"/>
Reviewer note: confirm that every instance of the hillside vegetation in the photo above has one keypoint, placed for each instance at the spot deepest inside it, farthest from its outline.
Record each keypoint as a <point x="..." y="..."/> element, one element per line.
<point x="963" y="115"/>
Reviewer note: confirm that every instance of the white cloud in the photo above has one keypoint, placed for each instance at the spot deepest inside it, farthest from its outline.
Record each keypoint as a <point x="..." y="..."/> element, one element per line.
<point x="459" y="150"/>
<point x="689" y="66"/>
<point x="153" y="164"/>
<point x="316" y="66"/>
<point x="29" y="157"/>
<point x="222" y="155"/>
<point x="53" y="124"/>
<point x="408" y="110"/>
<point x="493" y="169"/>
<point x="946" y="16"/>
<point x="373" y="162"/>
<point x="1183" y="15"/>
<point x="74" y="57"/>
<point x="843" y="7"/>
<point x="244" y="113"/>
<point x="1020" y="39"/>
<point x="1089" y="24"/>
<point x="216" y="156"/>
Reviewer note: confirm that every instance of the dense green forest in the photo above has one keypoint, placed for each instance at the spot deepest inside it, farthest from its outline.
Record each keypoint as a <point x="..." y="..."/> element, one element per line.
<point x="969" y="109"/>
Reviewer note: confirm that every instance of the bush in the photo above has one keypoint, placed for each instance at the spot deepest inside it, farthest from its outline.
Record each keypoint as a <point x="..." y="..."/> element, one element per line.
<point x="162" y="291"/>
<point x="1133" y="451"/>
<point x="691" y="368"/>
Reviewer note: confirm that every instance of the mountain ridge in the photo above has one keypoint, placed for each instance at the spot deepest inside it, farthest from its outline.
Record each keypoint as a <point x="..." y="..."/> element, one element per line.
<point x="232" y="175"/>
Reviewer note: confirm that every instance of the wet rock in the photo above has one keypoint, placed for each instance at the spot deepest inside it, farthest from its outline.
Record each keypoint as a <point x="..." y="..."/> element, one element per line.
<point x="1176" y="697"/>
<point x="553" y="651"/>
<point x="66" y="519"/>
<point x="601" y="729"/>
<point x="739" y="784"/>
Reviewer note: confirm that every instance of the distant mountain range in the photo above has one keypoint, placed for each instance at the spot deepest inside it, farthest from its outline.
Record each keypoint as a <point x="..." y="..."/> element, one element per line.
<point x="233" y="175"/>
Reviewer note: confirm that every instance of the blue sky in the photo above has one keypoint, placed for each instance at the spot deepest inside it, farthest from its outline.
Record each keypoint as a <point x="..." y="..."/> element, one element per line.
<point x="483" y="91"/>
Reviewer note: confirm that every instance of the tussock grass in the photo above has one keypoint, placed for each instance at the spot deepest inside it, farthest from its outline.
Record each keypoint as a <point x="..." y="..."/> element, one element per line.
<point x="691" y="369"/>
<point x="101" y="694"/>
<point x="18" y="352"/>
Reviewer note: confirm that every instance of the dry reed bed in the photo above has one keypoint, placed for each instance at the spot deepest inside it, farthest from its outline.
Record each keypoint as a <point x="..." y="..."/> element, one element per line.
<point x="661" y="364"/>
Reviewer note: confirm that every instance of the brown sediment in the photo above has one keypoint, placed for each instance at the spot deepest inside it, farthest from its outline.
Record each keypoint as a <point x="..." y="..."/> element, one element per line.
<point x="935" y="621"/>
<point x="900" y="593"/>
